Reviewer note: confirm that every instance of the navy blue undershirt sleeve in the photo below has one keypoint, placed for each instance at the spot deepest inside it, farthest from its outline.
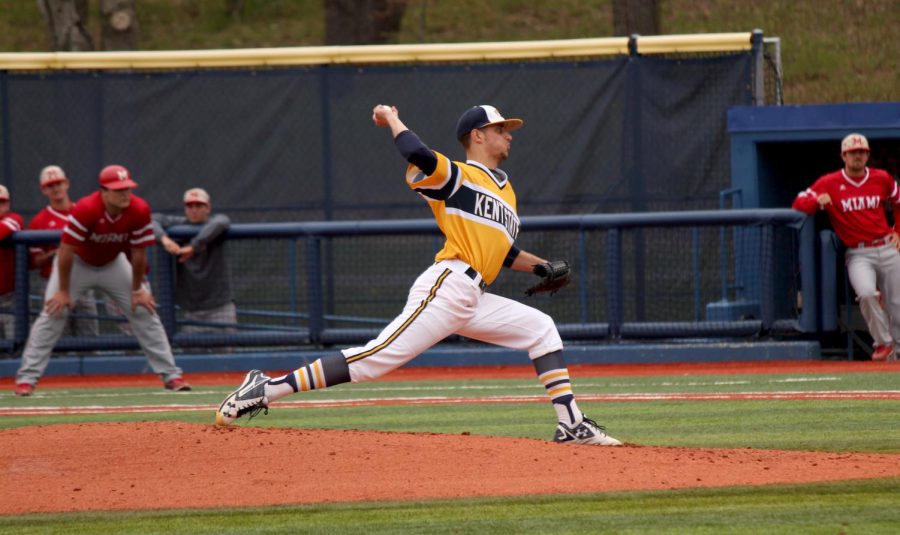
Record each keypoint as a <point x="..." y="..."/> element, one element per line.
<point x="416" y="152"/>
<point x="511" y="256"/>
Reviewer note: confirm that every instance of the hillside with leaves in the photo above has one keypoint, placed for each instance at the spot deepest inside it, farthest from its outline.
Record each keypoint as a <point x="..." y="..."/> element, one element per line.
<point x="832" y="50"/>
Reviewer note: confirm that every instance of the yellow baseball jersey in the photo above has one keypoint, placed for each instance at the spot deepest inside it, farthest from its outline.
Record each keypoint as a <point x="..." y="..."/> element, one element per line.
<point x="475" y="208"/>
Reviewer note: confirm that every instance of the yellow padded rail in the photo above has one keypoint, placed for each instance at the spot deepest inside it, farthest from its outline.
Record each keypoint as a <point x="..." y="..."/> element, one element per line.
<point x="707" y="42"/>
<point x="371" y="54"/>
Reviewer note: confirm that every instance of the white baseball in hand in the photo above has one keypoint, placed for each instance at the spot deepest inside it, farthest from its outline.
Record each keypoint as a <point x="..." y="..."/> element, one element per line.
<point x="380" y="115"/>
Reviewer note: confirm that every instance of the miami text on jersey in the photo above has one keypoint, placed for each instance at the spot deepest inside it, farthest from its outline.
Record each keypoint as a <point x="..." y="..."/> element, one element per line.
<point x="853" y="204"/>
<point x="109" y="238"/>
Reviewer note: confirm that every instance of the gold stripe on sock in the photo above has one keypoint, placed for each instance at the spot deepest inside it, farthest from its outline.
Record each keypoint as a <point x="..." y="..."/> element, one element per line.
<point x="554" y="375"/>
<point x="317" y="373"/>
<point x="561" y="390"/>
<point x="302" y="376"/>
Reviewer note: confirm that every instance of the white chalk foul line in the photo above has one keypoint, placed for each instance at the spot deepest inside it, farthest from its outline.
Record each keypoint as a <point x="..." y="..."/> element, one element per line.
<point x="442" y="400"/>
<point x="80" y="393"/>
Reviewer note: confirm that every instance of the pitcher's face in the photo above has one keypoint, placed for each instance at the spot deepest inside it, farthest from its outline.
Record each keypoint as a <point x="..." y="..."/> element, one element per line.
<point x="497" y="141"/>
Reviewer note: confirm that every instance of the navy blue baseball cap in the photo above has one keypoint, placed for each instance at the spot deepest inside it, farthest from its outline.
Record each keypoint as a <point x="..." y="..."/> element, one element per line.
<point x="481" y="116"/>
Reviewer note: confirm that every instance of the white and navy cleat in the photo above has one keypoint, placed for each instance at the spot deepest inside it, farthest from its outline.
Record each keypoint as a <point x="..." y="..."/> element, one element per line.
<point x="587" y="432"/>
<point x="250" y="398"/>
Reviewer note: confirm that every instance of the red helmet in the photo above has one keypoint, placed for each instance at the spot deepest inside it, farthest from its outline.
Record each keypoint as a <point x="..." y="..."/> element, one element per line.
<point x="116" y="177"/>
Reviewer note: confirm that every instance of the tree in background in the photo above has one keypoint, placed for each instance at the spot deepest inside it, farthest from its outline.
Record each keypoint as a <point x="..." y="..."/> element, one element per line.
<point x="67" y="22"/>
<point x="636" y="16"/>
<point x="120" y="24"/>
<point x="362" y="22"/>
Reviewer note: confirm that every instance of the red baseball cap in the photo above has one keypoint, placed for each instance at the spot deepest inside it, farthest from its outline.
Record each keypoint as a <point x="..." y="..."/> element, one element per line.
<point x="116" y="177"/>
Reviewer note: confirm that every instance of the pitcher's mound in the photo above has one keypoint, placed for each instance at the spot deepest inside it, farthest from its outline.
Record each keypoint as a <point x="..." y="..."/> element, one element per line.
<point x="162" y="465"/>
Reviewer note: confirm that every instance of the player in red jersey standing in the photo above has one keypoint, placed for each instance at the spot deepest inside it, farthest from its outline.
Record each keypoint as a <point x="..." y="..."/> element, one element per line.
<point x="855" y="198"/>
<point x="10" y="222"/>
<point x="54" y="216"/>
<point x="102" y="227"/>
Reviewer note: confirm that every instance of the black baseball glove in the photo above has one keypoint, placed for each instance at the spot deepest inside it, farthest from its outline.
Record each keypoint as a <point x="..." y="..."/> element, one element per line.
<point x="554" y="276"/>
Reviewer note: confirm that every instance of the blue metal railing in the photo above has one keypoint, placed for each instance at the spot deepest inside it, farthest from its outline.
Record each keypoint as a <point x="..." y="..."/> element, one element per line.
<point x="316" y="316"/>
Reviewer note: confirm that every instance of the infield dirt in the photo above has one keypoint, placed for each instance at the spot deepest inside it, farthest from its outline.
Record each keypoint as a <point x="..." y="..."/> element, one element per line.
<point x="163" y="465"/>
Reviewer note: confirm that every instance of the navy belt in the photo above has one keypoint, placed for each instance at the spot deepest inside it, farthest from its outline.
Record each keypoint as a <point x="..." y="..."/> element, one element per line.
<point x="472" y="274"/>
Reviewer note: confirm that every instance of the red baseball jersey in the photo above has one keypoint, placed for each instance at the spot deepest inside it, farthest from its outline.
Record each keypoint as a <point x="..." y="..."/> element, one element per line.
<point x="47" y="219"/>
<point x="857" y="206"/>
<point x="10" y="222"/>
<point x="99" y="237"/>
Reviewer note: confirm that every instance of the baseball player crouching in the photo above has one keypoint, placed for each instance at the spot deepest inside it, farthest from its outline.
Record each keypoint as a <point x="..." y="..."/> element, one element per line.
<point x="855" y="198"/>
<point x="475" y="207"/>
<point x="101" y="228"/>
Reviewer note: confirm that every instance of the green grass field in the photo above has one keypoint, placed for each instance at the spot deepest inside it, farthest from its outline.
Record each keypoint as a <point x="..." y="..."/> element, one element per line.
<point x="867" y="506"/>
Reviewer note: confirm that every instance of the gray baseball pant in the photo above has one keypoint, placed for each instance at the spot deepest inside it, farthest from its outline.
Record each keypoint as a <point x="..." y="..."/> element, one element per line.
<point x="7" y="317"/>
<point x="870" y="269"/>
<point x="86" y="306"/>
<point x="113" y="279"/>
<point x="225" y="314"/>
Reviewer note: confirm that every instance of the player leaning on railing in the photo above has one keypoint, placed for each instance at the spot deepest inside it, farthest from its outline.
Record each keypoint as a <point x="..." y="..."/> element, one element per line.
<point x="855" y="198"/>
<point x="475" y="208"/>
<point x="10" y="223"/>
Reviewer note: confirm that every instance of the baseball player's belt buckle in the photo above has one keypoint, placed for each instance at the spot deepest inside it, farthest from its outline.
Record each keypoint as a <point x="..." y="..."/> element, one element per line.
<point x="472" y="274"/>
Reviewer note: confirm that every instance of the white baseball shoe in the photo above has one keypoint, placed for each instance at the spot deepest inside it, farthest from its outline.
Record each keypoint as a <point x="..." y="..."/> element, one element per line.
<point x="587" y="432"/>
<point x="250" y="398"/>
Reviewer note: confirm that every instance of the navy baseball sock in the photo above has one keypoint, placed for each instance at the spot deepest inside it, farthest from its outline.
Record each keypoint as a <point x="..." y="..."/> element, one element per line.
<point x="324" y="372"/>
<point x="553" y="374"/>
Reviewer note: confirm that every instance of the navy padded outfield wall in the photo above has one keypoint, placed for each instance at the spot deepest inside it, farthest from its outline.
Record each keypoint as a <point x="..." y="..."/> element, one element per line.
<point x="635" y="133"/>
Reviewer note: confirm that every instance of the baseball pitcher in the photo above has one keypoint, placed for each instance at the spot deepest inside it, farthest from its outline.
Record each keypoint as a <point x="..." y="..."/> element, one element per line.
<point x="475" y="208"/>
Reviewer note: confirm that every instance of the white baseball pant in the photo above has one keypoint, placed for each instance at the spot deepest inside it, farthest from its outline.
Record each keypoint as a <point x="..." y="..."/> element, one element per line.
<point x="444" y="301"/>
<point x="113" y="279"/>
<point x="870" y="269"/>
